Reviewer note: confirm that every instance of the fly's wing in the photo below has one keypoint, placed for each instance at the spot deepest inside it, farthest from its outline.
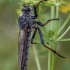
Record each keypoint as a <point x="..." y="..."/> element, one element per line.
<point x="22" y="46"/>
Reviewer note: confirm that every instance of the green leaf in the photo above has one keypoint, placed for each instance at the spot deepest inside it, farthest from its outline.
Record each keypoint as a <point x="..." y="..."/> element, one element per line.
<point x="51" y="34"/>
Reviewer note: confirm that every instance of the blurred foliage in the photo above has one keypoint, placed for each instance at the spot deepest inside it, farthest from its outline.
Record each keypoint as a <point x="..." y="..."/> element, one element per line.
<point x="9" y="12"/>
<point x="65" y="8"/>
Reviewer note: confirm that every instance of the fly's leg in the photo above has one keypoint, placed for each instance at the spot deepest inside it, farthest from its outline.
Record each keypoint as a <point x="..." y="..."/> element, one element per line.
<point x="33" y="37"/>
<point x="35" y="13"/>
<point x="34" y="7"/>
<point x="42" y="41"/>
<point x="40" y="24"/>
<point x="39" y="2"/>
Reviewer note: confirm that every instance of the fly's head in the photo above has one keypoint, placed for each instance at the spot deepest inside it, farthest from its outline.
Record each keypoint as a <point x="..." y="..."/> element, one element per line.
<point x="25" y="8"/>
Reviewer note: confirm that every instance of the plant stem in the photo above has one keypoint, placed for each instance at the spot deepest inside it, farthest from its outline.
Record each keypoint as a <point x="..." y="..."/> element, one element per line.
<point x="65" y="39"/>
<point x="50" y="53"/>
<point x="52" y="16"/>
<point x="64" y="33"/>
<point x="64" y="24"/>
<point x="55" y="43"/>
<point x="36" y="58"/>
<point x="49" y="58"/>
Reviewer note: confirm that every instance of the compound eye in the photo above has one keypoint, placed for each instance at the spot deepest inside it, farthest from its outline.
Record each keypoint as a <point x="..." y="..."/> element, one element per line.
<point x="28" y="9"/>
<point x="25" y="9"/>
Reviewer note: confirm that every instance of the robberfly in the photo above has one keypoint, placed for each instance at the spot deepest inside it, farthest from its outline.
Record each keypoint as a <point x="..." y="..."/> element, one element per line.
<point x="27" y="23"/>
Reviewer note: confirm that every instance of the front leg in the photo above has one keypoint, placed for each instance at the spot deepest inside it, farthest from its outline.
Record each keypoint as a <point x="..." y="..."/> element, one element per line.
<point x="40" y="24"/>
<point x="34" y="7"/>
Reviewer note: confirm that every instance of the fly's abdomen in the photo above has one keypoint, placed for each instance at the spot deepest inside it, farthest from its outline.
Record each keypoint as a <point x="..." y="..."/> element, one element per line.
<point x="24" y="42"/>
<point x="27" y="51"/>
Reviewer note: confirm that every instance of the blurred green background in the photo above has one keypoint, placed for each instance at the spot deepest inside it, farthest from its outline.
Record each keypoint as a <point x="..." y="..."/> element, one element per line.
<point x="9" y="12"/>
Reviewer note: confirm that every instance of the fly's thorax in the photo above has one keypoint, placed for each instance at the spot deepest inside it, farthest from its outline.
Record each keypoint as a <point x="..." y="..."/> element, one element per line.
<point x="28" y="18"/>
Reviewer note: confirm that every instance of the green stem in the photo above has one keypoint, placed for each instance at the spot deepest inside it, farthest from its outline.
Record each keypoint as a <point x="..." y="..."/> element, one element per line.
<point x="55" y="43"/>
<point x="52" y="16"/>
<point x="65" y="39"/>
<point x="50" y="54"/>
<point x="36" y="58"/>
<point x="49" y="58"/>
<point x="64" y="33"/>
<point x="68" y="18"/>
